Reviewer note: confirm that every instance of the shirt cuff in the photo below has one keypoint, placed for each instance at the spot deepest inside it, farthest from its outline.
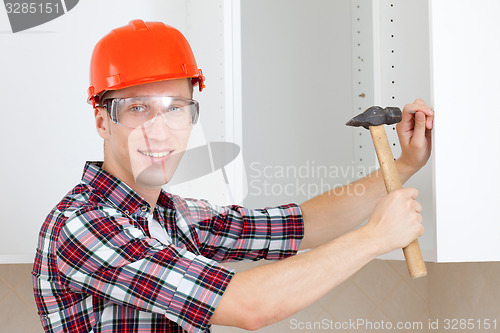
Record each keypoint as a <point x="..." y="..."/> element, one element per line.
<point x="287" y="231"/>
<point x="198" y="294"/>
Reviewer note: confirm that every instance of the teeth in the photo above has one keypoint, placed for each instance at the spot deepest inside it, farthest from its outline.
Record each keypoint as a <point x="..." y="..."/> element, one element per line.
<point x="162" y="154"/>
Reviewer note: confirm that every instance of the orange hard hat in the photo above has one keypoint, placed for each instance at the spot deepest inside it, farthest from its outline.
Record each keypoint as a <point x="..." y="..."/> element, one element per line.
<point x="141" y="52"/>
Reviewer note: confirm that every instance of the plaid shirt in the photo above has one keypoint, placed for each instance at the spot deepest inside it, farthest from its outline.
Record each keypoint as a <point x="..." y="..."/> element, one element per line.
<point x="97" y="268"/>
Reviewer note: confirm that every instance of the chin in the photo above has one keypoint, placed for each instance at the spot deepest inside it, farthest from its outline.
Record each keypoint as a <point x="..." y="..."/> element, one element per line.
<point x="151" y="180"/>
<point x="155" y="175"/>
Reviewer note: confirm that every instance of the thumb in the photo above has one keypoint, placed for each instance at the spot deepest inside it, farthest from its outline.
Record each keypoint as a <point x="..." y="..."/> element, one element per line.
<point x="419" y="131"/>
<point x="411" y="192"/>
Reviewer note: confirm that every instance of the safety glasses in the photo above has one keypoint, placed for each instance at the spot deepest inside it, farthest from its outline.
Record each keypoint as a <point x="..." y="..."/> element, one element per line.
<point x="132" y="112"/>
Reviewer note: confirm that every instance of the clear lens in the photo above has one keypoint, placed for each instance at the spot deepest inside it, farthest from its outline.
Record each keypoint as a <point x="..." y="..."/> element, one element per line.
<point x="133" y="112"/>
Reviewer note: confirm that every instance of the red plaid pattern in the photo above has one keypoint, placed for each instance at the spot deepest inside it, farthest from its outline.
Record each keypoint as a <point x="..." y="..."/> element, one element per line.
<point x="97" y="268"/>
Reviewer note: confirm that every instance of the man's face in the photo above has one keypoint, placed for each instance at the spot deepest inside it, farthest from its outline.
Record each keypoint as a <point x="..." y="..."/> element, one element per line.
<point x="146" y="156"/>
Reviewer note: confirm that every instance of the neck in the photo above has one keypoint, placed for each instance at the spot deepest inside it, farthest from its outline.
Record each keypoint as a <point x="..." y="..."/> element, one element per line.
<point x="150" y="195"/>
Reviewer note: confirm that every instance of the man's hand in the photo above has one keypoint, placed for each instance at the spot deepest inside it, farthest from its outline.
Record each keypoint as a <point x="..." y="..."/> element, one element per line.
<point x="396" y="220"/>
<point x="414" y="132"/>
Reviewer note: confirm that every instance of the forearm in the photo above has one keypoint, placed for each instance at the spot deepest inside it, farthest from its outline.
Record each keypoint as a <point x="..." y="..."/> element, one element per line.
<point x="340" y="210"/>
<point x="270" y="293"/>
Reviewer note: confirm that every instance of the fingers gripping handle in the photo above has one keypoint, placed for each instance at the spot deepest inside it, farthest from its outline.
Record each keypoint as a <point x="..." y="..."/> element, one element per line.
<point x="412" y="253"/>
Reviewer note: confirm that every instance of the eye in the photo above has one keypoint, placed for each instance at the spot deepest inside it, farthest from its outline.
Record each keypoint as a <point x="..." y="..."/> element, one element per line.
<point x="137" y="108"/>
<point x="175" y="109"/>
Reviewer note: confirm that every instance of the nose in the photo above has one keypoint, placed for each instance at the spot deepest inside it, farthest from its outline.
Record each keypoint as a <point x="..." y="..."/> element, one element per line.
<point x="158" y="129"/>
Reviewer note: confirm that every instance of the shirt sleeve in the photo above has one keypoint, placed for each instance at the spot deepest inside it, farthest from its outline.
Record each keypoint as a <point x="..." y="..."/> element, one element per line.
<point x="229" y="233"/>
<point x="102" y="253"/>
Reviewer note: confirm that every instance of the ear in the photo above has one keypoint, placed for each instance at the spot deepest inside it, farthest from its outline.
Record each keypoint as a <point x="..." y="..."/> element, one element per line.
<point x="102" y="122"/>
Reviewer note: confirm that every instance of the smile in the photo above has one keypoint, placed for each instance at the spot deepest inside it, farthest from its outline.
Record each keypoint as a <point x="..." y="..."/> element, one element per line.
<point x="155" y="154"/>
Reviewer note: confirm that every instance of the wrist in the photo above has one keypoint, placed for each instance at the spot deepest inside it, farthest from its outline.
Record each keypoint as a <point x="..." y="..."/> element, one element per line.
<point x="372" y="243"/>
<point x="405" y="171"/>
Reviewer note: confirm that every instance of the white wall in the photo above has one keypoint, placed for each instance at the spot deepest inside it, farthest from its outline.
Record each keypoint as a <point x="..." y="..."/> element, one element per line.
<point x="296" y="63"/>
<point x="466" y="87"/>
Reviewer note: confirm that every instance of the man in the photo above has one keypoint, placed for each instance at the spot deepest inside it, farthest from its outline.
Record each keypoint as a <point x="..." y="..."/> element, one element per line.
<point x="119" y="254"/>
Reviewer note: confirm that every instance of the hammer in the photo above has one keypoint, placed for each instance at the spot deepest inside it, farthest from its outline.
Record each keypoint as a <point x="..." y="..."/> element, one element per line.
<point x="374" y="118"/>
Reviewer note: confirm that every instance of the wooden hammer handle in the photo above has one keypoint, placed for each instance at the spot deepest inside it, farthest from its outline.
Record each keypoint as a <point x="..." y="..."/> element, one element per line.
<point x="412" y="253"/>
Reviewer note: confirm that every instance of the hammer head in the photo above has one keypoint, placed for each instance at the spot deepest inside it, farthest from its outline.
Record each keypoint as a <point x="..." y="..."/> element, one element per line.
<point x="375" y="115"/>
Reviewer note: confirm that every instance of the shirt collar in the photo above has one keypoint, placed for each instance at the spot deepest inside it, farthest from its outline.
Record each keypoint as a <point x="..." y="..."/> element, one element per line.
<point x="116" y="191"/>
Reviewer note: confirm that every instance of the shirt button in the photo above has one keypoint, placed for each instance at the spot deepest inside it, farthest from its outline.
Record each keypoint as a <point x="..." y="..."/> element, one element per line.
<point x="144" y="208"/>
<point x="127" y="212"/>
